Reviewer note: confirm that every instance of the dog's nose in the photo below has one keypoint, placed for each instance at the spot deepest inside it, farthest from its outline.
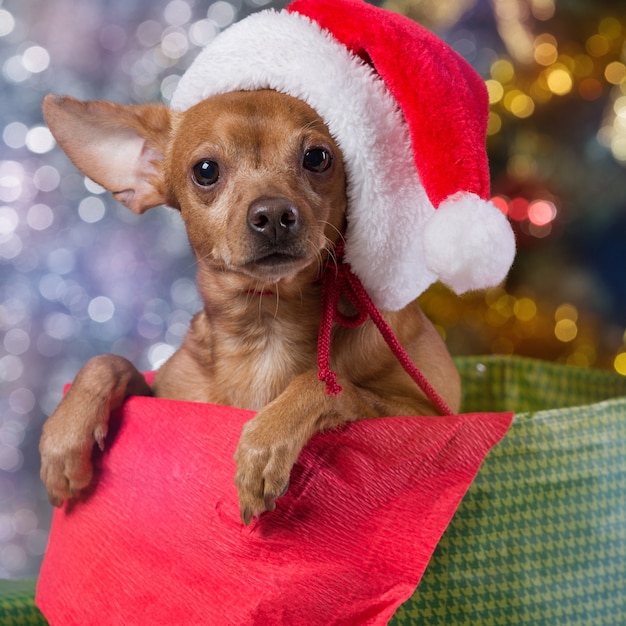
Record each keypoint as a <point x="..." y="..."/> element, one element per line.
<point x="274" y="218"/>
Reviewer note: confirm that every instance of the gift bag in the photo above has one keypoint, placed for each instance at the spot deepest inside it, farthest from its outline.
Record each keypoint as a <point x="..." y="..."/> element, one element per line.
<point x="540" y="537"/>
<point x="160" y="540"/>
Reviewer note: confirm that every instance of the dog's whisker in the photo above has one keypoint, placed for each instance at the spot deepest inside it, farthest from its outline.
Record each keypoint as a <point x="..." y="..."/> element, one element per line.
<point x="194" y="263"/>
<point x="277" y="304"/>
<point x="258" y="287"/>
<point x="248" y="296"/>
<point x="197" y="260"/>
<point x="337" y="230"/>
<point x="330" y="246"/>
<point x="331" y="256"/>
<point x="320" y="261"/>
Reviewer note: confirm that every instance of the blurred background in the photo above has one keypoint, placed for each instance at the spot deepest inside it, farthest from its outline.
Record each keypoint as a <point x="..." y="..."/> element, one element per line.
<point x="80" y="275"/>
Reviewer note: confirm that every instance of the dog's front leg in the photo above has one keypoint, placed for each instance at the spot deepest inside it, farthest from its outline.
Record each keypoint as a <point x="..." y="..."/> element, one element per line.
<point x="81" y="420"/>
<point x="271" y="442"/>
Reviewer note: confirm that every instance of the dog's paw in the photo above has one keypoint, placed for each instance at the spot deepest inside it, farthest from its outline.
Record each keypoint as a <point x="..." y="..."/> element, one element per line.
<point x="263" y="467"/>
<point x="66" y="467"/>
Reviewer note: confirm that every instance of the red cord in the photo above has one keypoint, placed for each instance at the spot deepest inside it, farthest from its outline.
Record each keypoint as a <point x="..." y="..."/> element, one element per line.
<point x="338" y="279"/>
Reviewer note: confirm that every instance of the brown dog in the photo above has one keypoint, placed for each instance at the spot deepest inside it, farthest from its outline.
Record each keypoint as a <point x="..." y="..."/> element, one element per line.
<point x="260" y="185"/>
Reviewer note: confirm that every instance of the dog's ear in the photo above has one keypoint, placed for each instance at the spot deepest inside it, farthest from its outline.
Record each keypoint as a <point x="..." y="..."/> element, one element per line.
<point x="118" y="146"/>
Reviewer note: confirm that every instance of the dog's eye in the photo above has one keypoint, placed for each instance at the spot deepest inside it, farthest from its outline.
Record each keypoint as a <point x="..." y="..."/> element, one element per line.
<point x="206" y="172"/>
<point x="317" y="160"/>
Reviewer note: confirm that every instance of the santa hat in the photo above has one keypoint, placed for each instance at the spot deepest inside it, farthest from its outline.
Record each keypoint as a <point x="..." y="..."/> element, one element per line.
<point x="409" y="115"/>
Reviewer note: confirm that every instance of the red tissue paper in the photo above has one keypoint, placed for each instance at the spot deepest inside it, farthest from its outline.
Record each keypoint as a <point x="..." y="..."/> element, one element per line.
<point x="159" y="540"/>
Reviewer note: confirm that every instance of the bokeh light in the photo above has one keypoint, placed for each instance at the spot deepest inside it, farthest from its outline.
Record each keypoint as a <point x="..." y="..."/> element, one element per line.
<point x="559" y="80"/>
<point x="541" y="212"/>
<point x="7" y="22"/>
<point x="546" y="52"/>
<point x="620" y="363"/>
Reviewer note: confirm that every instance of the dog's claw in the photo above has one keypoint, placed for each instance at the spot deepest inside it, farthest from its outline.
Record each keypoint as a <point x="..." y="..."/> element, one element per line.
<point x="284" y="491"/>
<point x="54" y="501"/>
<point x="100" y="434"/>
<point x="270" y="503"/>
<point x="246" y="516"/>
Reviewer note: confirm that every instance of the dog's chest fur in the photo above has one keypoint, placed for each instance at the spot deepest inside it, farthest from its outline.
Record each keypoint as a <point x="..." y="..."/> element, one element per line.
<point x="250" y="359"/>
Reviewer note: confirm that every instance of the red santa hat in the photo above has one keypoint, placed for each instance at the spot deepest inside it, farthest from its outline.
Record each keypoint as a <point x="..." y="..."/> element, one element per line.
<point x="409" y="115"/>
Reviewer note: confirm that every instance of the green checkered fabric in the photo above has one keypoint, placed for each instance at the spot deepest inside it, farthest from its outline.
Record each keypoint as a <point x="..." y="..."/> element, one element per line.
<point x="540" y="537"/>
<point x="17" y="604"/>
<point x="498" y="383"/>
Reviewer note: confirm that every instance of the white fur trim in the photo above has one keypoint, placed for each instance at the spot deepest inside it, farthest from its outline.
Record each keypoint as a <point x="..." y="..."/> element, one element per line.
<point x="469" y="243"/>
<point x="387" y="203"/>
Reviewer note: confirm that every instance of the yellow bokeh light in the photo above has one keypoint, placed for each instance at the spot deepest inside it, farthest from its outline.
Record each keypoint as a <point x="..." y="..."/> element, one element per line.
<point x="494" y="124"/>
<point x="495" y="91"/>
<point x="567" y="62"/>
<point x="566" y="311"/>
<point x="546" y="38"/>
<point x="522" y="106"/>
<point x="525" y="309"/>
<point x="502" y="71"/>
<point x="610" y="27"/>
<point x="620" y="363"/>
<point x="493" y="295"/>
<point x="518" y="103"/>
<point x="505" y="305"/>
<point x="508" y="98"/>
<point x="597" y="45"/>
<point x="566" y="330"/>
<point x="615" y="72"/>
<point x="559" y="80"/>
<point x="543" y="9"/>
<point x="546" y="53"/>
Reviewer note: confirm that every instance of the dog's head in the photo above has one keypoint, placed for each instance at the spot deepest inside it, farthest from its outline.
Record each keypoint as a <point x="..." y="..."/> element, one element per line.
<point x="257" y="177"/>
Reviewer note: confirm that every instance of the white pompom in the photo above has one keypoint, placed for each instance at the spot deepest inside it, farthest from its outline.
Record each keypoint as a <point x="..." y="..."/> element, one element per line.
<point x="469" y="243"/>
